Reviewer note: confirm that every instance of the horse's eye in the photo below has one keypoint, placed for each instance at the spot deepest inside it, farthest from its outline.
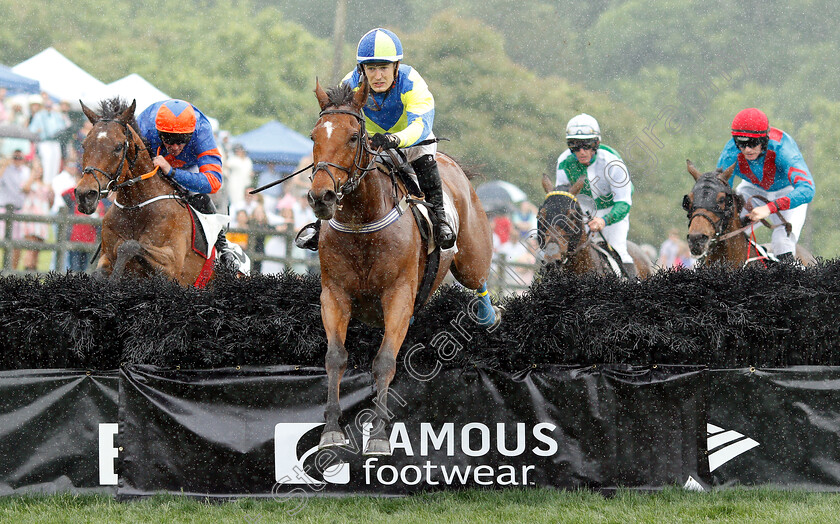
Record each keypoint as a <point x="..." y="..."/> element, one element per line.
<point x="118" y="148"/>
<point x="353" y="139"/>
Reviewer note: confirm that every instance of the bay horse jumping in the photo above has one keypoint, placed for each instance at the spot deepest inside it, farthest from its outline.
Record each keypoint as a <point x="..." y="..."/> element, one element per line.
<point x="148" y="229"/>
<point x="566" y="242"/>
<point x="372" y="255"/>
<point x="716" y="232"/>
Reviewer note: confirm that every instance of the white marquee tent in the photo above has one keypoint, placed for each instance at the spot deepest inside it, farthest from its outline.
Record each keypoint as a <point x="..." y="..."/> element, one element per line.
<point x="60" y="77"/>
<point x="135" y="87"/>
<point x="64" y="80"/>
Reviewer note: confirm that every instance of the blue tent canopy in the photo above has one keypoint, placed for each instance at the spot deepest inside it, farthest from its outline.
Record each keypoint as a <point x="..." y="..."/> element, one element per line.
<point x="274" y="142"/>
<point x="15" y="83"/>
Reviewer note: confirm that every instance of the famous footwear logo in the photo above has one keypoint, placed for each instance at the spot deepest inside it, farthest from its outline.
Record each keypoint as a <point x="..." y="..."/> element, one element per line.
<point x="417" y="454"/>
<point x="725" y="445"/>
<point x="296" y="458"/>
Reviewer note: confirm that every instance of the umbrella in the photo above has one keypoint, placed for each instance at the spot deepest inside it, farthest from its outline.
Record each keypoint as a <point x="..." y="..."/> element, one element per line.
<point x="16" y="131"/>
<point x="499" y="195"/>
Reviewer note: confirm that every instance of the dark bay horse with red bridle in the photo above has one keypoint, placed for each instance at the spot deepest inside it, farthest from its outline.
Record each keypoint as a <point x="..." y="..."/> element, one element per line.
<point x="148" y="229"/>
<point x="373" y="257"/>
<point x="716" y="232"/>
<point x="567" y="243"/>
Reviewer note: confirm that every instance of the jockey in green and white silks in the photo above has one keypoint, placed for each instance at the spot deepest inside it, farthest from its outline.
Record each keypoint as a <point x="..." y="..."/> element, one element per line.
<point x="607" y="182"/>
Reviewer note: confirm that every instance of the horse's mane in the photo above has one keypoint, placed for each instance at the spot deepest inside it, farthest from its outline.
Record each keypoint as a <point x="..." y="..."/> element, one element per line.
<point x="111" y="108"/>
<point x="340" y="95"/>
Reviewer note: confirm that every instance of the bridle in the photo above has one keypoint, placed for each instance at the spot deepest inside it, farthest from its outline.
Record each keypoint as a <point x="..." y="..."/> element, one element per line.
<point x="112" y="179"/>
<point x="723" y="215"/>
<point x="357" y="172"/>
<point x="574" y="245"/>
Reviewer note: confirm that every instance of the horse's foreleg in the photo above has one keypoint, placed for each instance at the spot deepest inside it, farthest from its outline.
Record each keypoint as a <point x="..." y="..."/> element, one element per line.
<point x="162" y="260"/>
<point x="103" y="269"/>
<point x="397" y="306"/>
<point x="335" y="314"/>
<point x="126" y="251"/>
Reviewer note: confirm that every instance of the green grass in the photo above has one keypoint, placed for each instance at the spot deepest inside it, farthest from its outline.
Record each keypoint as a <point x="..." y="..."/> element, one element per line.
<point x="532" y="506"/>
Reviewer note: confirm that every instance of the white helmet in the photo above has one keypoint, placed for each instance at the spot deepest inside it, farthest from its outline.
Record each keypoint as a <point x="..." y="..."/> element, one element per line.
<point x="583" y="127"/>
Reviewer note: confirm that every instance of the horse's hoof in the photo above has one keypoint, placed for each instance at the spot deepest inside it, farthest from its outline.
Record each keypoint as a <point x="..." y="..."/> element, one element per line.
<point x="378" y="446"/>
<point x="498" y="310"/>
<point x="332" y="439"/>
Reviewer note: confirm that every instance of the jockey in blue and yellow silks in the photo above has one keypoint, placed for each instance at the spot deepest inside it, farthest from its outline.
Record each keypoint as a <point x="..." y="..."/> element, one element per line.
<point x="180" y="139"/>
<point x="399" y="113"/>
<point x="771" y="166"/>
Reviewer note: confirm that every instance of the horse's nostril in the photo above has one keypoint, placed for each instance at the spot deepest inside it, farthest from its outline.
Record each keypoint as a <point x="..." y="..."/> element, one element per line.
<point x="329" y="197"/>
<point x="697" y="239"/>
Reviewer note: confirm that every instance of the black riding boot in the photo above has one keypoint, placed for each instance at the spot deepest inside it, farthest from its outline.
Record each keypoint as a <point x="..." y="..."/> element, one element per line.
<point x="226" y="254"/>
<point x="630" y="269"/>
<point x="307" y="238"/>
<point x="429" y="178"/>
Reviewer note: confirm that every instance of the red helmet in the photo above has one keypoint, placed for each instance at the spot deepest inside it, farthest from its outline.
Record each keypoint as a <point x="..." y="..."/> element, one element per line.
<point x="751" y="122"/>
<point x="175" y="116"/>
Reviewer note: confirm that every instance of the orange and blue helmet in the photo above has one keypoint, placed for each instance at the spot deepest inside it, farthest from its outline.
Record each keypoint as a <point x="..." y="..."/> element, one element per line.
<point x="175" y="117"/>
<point x="379" y="45"/>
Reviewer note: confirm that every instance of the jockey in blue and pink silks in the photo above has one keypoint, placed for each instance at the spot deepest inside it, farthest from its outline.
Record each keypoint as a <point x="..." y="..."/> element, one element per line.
<point x="771" y="166"/>
<point x="180" y="139"/>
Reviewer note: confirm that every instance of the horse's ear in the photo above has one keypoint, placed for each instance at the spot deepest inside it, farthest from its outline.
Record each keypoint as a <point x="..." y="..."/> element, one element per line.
<point x="693" y="170"/>
<point x="93" y="117"/>
<point x="724" y="176"/>
<point x="575" y="189"/>
<point x="321" y="95"/>
<point x="547" y="184"/>
<point x="361" y="95"/>
<point x="127" y="115"/>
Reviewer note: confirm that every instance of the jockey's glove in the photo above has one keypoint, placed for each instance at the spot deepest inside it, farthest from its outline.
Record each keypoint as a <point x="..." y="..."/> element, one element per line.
<point x="385" y="141"/>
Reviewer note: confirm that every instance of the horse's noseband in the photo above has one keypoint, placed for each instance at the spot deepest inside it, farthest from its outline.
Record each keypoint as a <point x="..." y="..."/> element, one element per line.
<point x="357" y="172"/>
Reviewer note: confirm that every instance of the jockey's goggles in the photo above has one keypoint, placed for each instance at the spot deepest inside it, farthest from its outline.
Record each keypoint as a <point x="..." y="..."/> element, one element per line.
<point x="577" y="145"/>
<point x="175" y="139"/>
<point x="747" y="141"/>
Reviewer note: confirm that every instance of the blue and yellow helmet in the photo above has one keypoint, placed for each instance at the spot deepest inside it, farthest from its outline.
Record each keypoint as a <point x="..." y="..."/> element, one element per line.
<point x="379" y="45"/>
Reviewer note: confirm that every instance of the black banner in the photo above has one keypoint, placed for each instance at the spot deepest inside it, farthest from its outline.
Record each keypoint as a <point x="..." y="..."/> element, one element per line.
<point x="775" y="426"/>
<point x="51" y="425"/>
<point x="250" y="431"/>
<point x="254" y="431"/>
